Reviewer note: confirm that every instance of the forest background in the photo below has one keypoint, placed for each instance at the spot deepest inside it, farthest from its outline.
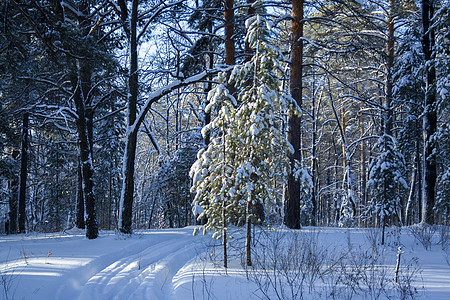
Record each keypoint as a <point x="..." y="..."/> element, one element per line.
<point x="102" y="105"/>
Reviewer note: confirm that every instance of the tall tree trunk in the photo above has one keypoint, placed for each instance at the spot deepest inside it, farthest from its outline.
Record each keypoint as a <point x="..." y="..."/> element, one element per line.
<point x="135" y="120"/>
<point x="207" y="119"/>
<point x="23" y="175"/>
<point x="407" y="220"/>
<point x="229" y="33"/>
<point x="292" y="192"/>
<point x="419" y="181"/>
<point x="389" y="66"/>
<point x="87" y="167"/>
<point x="229" y="39"/>
<point x="229" y="60"/>
<point x="81" y="83"/>
<point x="248" y="236"/>
<point x="363" y="175"/>
<point x="387" y="114"/>
<point x="429" y="116"/>
<point x="314" y="162"/>
<point x="13" y="206"/>
<point x="347" y="185"/>
<point x="127" y="194"/>
<point x="80" y="199"/>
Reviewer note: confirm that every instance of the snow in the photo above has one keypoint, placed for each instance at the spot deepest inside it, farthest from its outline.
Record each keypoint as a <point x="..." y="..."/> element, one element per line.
<point x="173" y="264"/>
<point x="254" y="130"/>
<point x="197" y="210"/>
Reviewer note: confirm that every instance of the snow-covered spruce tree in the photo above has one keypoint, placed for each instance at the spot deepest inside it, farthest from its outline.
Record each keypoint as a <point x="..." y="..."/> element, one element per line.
<point x="442" y="136"/>
<point x="386" y="180"/>
<point x="213" y="172"/>
<point x="409" y="92"/>
<point x="237" y="170"/>
<point x="443" y="180"/>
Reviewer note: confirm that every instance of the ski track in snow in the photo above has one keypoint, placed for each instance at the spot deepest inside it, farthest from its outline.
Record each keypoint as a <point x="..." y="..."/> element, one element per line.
<point x="145" y="275"/>
<point x="141" y="267"/>
<point x="160" y="265"/>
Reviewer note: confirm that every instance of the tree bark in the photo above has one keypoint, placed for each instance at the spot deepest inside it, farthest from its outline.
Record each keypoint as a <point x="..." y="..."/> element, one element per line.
<point x="387" y="117"/>
<point x="23" y="175"/>
<point x="230" y="59"/>
<point x="80" y="199"/>
<point x="363" y="172"/>
<point x="136" y="118"/>
<point x="418" y="164"/>
<point x="314" y="169"/>
<point x="127" y="195"/>
<point x="292" y="192"/>
<point x="407" y="220"/>
<point x="81" y="83"/>
<point x="389" y="66"/>
<point x="429" y="116"/>
<point x="229" y="33"/>
<point x="13" y="206"/>
<point x="87" y="168"/>
<point x="248" y="236"/>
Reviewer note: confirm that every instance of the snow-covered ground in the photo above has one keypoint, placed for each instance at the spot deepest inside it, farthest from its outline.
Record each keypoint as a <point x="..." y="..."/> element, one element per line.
<point x="313" y="263"/>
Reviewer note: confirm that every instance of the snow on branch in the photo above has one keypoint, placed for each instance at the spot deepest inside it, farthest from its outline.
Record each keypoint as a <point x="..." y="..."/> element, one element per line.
<point x="158" y="94"/>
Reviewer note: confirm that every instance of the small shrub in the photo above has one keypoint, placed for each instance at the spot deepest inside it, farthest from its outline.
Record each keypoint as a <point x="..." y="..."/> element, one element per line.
<point x="424" y="234"/>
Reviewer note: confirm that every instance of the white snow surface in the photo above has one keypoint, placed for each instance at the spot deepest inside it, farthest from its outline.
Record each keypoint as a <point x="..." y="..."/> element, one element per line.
<point x="170" y="264"/>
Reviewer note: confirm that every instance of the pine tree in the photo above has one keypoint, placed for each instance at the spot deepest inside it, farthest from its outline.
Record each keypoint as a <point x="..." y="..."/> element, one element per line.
<point x="236" y="171"/>
<point x="292" y="193"/>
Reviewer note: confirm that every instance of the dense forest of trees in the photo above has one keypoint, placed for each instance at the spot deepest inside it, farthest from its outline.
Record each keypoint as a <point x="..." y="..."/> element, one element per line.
<point x="323" y="113"/>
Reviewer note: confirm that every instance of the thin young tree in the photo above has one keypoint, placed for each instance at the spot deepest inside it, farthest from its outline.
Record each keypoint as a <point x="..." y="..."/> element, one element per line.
<point x="386" y="180"/>
<point x="23" y="173"/>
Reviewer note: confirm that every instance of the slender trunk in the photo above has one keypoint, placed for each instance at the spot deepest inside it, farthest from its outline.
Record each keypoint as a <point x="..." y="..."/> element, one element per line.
<point x="110" y="197"/>
<point x="127" y="194"/>
<point x="224" y="236"/>
<point x="389" y="66"/>
<point x="387" y="116"/>
<point x="363" y="175"/>
<point x="87" y="168"/>
<point x="224" y="204"/>
<point x="207" y="119"/>
<point x="429" y="116"/>
<point x="292" y="192"/>
<point x="80" y="199"/>
<point x="314" y="162"/>
<point x="57" y="200"/>
<point x="336" y="204"/>
<point x="23" y="174"/>
<point x="229" y="60"/>
<point x="248" y="237"/>
<point x="410" y="198"/>
<point x="419" y="182"/>
<point x="13" y="206"/>
<point x="347" y="178"/>
<point x="229" y="33"/>
<point x="80" y="79"/>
